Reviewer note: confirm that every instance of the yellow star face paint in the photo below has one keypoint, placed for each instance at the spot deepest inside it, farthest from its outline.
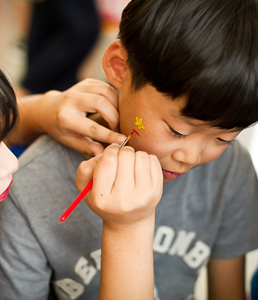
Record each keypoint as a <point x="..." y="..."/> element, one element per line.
<point x="139" y="123"/>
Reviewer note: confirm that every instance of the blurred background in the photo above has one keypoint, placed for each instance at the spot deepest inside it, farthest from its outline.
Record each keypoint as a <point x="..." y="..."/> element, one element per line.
<point x="52" y="44"/>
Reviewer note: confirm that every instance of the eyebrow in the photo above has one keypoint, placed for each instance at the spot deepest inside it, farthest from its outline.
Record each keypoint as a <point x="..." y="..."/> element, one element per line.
<point x="183" y="118"/>
<point x="192" y="121"/>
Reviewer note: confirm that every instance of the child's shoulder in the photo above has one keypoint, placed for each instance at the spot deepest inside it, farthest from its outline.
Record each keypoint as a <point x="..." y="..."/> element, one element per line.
<point x="47" y="151"/>
<point x="235" y="158"/>
<point x="234" y="167"/>
<point x="232" y="170"/>
<point x="46" y="160"/>
<point x="41" y="147"/>
<point x="47" y="171"/>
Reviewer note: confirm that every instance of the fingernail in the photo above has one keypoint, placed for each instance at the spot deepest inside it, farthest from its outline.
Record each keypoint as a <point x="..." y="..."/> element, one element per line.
<point x="98" y="156"/>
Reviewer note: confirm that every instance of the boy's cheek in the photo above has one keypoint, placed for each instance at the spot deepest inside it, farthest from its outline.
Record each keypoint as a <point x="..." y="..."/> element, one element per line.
<point x="146" y="145"/>
<point x="209" y="155"/>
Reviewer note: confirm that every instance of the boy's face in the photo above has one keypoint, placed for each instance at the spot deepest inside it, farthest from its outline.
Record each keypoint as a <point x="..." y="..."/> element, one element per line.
<point x="180" y="143"/>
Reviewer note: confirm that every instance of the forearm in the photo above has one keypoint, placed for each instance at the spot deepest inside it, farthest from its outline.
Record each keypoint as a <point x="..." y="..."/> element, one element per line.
<point x="226" y="279"/>
<point x="127" y="263"/>
<point x="27" y="128"/>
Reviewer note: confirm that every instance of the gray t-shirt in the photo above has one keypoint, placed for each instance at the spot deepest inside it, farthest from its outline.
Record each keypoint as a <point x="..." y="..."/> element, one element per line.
<point x="211" y="211"/>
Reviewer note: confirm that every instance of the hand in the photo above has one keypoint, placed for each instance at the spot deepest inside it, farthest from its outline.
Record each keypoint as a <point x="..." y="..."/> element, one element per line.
<point x="127" y="186"/>
<point x="63" y="116"/>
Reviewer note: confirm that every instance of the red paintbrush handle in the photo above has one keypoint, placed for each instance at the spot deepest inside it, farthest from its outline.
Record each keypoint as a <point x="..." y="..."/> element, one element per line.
<point x="76" y="201"/>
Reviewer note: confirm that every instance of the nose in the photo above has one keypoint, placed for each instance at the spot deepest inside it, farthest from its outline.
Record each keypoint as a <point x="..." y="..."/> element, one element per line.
<point x="8" y="161"/>
<point x="190" y="154"/>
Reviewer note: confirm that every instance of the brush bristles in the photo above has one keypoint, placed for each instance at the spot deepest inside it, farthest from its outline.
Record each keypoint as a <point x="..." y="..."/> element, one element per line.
<point x="126" y="140"/>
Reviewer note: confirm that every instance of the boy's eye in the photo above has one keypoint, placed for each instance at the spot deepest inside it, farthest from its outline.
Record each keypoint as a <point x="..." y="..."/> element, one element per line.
<point x="176" y="133"/>
<point x="226" y="143"/>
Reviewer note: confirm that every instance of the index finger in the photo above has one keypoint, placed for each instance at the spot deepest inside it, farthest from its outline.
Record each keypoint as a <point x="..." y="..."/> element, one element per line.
<point x="90" y="128"/>
<point x="106" y="171"/>
<point x="97" y="87"/>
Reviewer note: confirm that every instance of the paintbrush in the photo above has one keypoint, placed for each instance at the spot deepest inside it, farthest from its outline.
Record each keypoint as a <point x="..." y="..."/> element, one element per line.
<point x="89" y="186"/>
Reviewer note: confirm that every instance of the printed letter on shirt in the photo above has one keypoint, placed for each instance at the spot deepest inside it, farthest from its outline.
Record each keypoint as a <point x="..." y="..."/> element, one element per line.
<point x="163" y="239"/>
<point x="182" y="242"/>
<point x="68" y="289"/>
<point x="84" y="271"/>
<point x="197" y="255"/>
<point x="96" y="255"/>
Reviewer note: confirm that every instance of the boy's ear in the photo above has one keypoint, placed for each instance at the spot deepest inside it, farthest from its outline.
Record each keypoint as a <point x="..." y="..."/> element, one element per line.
<point x="114" y="64"/>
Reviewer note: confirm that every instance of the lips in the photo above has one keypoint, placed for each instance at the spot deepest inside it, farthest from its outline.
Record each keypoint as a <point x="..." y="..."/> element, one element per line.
<point x="170" y="175"/>
<point x="5" y="193"/>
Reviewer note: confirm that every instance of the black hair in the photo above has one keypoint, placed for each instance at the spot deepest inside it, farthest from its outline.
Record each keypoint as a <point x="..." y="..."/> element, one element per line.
<point x="205" y="50"/>
<point x="8" y="107"/>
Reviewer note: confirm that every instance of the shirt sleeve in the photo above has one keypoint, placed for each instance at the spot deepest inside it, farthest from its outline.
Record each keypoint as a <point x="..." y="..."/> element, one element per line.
<point x="237" y="233"/>
<point x="24" y="272"/>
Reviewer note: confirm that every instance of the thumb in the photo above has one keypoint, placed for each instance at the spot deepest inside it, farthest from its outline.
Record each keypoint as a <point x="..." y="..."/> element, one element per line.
<point x="85" y="173"/>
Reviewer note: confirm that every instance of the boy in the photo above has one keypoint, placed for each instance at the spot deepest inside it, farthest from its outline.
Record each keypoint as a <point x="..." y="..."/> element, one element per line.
<point x="188" y="69"/>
